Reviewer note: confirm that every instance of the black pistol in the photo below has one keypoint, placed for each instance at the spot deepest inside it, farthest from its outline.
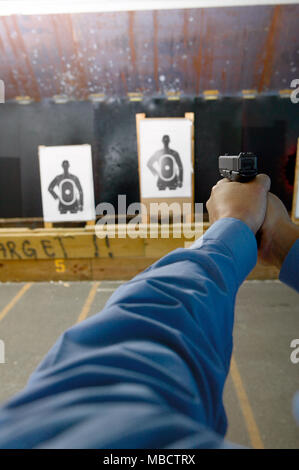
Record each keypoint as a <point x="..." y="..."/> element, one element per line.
<point x="242" y="167"/>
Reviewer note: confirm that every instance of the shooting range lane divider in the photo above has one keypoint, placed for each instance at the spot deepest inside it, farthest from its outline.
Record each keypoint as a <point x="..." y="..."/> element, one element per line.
<point x="252" y="428"/>
<point x="14" y="300"/>
<point x="88" y="302"/>
<point x="78" y="254"/>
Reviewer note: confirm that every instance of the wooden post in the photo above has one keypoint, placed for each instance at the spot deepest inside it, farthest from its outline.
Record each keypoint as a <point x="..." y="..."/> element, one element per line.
<point x="144" y="215"/>
<point x="296" y="188"/>
<point x="90" y="223"/>
<point x="190" y="217"/>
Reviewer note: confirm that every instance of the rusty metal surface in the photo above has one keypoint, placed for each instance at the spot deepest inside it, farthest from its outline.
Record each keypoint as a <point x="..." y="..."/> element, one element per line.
<point x="153" y="52"/>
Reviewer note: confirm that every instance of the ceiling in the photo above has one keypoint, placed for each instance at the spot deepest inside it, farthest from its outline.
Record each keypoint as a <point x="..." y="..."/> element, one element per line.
<point x="153" y="52"/>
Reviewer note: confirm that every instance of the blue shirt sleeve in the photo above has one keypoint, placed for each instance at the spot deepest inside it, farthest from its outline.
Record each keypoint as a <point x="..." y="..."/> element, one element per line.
<point x="289" y="270"/>
<point x="149" y="370"/>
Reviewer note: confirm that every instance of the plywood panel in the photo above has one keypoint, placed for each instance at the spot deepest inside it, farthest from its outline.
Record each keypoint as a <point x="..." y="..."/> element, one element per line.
<point x="75" y="254"/>
<point x="70" y="244"/>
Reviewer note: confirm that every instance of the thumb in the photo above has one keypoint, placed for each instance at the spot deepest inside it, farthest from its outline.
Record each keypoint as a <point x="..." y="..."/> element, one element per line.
<point x="263" y="180"/>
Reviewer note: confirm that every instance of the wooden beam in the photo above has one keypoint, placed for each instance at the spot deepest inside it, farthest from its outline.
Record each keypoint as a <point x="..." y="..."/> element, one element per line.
<point x="78" y="254"/>
<point x="97" y="268"/>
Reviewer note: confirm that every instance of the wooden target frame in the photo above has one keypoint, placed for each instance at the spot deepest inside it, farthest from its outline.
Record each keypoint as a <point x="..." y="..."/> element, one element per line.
<point x="295" y="206"/>
<point x="169" y="200"/>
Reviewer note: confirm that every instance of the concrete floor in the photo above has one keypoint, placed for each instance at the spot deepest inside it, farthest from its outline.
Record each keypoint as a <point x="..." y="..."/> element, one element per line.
<point x="262" y="382"/>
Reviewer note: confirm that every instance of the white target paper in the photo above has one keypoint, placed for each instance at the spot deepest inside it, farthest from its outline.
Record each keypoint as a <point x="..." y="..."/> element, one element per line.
<point x="165" y="158"/>
<point x="67" y="183"/>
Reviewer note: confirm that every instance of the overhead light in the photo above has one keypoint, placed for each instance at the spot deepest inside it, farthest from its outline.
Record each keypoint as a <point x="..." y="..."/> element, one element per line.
<point x="285" y="93"/>
<point x="96" y="97"/>
<point x="43" y="7"/>
<point x="211" y="95"/>
<point x="135" y="96"/>
<point x="249" y="94"/>
<point x="61" y="99"/>
<point x="24" y="99"/>
<point x="173" y="95"/>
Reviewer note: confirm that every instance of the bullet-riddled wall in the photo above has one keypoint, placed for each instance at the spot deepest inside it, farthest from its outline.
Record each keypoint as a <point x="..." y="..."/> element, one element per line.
<point x="154" y="52"/>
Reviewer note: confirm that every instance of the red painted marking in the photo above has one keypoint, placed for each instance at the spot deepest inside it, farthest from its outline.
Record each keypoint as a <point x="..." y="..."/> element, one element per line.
<point x="268" y="52"/>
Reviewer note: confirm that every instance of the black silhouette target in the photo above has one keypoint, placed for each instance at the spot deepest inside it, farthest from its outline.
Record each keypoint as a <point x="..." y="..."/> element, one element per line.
<point x="166" y="165"/>
<point x="68" y="190"/>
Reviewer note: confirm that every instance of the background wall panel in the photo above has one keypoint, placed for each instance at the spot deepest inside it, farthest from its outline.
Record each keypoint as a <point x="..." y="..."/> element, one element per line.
<point x="266" y="125"/>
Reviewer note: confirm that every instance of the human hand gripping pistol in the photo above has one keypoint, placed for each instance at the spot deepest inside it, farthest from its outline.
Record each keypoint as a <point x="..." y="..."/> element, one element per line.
<point x="241" y="168"/>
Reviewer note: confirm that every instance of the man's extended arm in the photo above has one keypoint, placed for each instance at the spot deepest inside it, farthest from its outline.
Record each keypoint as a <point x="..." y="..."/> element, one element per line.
<point x="149" y="370"/>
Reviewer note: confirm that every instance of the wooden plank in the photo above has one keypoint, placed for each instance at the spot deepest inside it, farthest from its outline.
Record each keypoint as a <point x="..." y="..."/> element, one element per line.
<point x="97" y="269"/>
<point x="67" y="245"/>
<point x="73" y="269"/>
<point x="73" y="243"/>
<point x="296" y="187"/>
<point x="119" y="269"/>
<point x="156" y="248"/>
<point x="45" y="270"/>
<point x="77" y="254"/>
